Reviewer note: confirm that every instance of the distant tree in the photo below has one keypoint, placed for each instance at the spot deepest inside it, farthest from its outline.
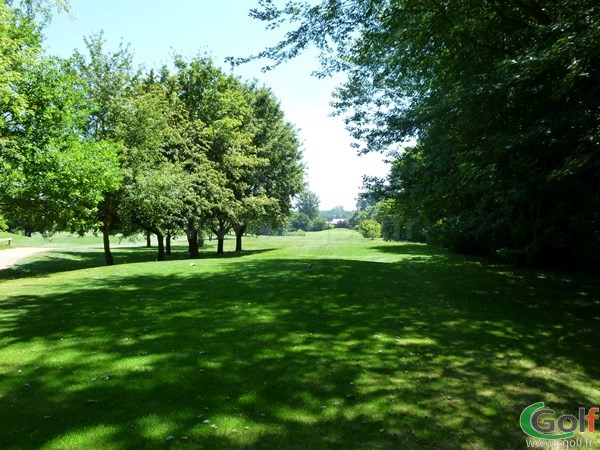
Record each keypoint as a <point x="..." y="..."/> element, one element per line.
<point x="370" y="229"/>
<point x="320" y="224"/>
<point x="300" y="221"/>
<point x="368" y="213"/>
<point x="337" y="212"/>
<point x="308" y="203"/>
<point x="369" y="196"/>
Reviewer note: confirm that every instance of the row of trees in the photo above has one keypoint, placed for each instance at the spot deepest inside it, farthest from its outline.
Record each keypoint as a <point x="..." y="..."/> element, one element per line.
<point x="91" y="143"/>
<point x="502" y="99"/>
<point x="394" y="224"/>
<point x="307" y="216"/>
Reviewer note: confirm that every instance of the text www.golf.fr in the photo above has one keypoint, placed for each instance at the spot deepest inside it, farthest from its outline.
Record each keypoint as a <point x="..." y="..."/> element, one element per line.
<point x="566" y="443"/>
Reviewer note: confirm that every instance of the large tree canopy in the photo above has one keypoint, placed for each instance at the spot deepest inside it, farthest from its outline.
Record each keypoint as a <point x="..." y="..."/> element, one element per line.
<point x="51" y="175"/>
<point x="251" y="145"/>
<point x="501" y="97"/>
<point x="89" y="142"/>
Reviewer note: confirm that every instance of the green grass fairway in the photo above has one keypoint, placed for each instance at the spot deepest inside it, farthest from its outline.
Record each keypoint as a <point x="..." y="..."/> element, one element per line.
<point x="326" y="340"/>
<point x="56" y="240"/>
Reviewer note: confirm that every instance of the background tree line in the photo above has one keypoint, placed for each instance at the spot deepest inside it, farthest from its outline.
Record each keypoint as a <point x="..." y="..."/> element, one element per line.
<point x="93" y="143"/>
<point x="308" y="217"/>
<point x="501" y="98"/>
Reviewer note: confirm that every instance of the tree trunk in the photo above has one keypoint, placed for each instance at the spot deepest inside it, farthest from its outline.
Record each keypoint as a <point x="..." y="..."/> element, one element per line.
<point x="239" y="233"/>
<point x="168" y="248"/>
<point x="148" y="240"/>
<point x="108" y="257"/>
<point x="161" y="246"/>
<point x="192" y="237"/>
<point x="221" y="232"/>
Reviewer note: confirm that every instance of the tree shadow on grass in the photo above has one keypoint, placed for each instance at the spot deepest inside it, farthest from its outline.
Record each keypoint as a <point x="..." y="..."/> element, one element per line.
<point x="416" y="252"/>
<point x="233" y="254"/>
<point x="278" y="355"/>
<point x="411" y="248"/>
<point x="57" y="261"/>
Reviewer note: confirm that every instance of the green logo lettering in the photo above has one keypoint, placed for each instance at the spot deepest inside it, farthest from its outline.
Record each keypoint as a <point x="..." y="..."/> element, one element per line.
<point x="529" y="416"/>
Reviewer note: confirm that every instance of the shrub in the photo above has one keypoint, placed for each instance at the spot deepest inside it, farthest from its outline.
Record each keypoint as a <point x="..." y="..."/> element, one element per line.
<point x="320" y="224"/>
<point x="369" y="229"/>
<point x="300" y="221"/>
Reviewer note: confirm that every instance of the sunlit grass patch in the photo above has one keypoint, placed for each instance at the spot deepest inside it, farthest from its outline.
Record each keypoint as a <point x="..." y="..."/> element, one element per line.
<point x="327" y="340"/>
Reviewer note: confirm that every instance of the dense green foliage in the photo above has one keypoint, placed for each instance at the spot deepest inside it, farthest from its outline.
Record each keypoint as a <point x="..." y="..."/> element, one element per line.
<point x="52" y="175"/>
<point x="308" y="203"/>
<point x="337" y="212"/>
<point x="370" y="229"/>
<point x="501" y="98"/>
<point x="92" y="143"/>
<point x="307" y="216"/>
<point x="376" y="345"/>
<point x="250" y="144"/>
<point x="300" y="221"/>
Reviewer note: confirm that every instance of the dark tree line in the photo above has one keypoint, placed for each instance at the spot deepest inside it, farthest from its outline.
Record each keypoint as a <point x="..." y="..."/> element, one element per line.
<point x="501" y="98"/>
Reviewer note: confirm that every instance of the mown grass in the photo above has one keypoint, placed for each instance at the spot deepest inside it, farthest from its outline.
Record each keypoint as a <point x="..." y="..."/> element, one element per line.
<point x="53" y="241"/>
<point x="326" y="340"/>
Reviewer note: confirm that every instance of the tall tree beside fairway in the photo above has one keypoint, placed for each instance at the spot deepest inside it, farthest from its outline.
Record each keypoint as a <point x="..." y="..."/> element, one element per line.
<point x="308" y="203"/>
<point x="188" y="143"/>
<point x="162" y="144"/>
<point x="157" y="199"/>
<point x="143" y="130"/>
<point x="278" y="176"/>
<point x="108" y="79"/>
<point x="51" y="177"/>
<point x="219" y="101"/>
<point x="502" y="98"/>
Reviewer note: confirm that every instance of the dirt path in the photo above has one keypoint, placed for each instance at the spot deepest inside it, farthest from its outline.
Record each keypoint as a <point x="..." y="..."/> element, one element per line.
<point x="10" y="256"/>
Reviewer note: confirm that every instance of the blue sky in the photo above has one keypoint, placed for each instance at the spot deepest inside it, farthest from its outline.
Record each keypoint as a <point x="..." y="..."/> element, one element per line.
<point x="157" y="29"/>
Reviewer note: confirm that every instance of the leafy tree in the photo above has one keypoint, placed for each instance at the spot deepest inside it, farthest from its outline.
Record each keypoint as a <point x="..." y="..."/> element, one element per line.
<point x="156" y="200"/>
<point x="52" y="175"/>
<point x="107" y="80"/>
<point x="143" y="130"/>
<point x="249" y="144"/>
<point x="219" y="102"/>
<point x="370" y="229"/>
<point x="501" y="97"/>
<point x="188" y="142"/>
<point x="159" y="135"/>
<point x="320" y="224"/>
<point x="300" y="221"/>
<point x="308" y="203"/>
<point x="337" y="212"/>
<point x="278" y="175"/>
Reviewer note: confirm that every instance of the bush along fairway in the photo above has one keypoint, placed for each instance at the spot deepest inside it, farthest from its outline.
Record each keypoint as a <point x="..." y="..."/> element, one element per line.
<point x="327" y="340"/>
